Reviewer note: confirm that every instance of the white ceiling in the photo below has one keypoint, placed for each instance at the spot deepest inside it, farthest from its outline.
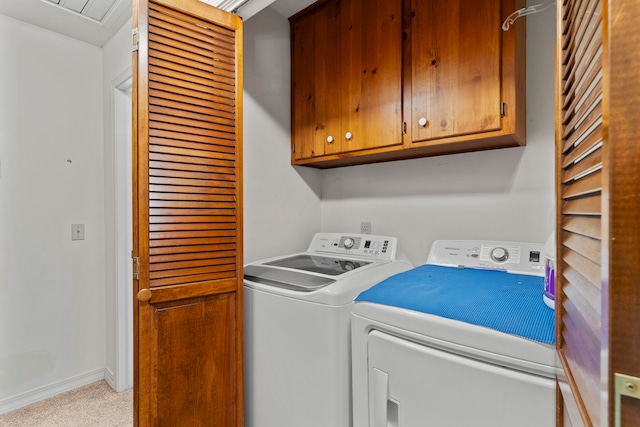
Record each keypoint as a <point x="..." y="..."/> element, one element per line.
<point x="48" y="15"/>
<point x="288" y="8"/>
<point x="96" y="21"/>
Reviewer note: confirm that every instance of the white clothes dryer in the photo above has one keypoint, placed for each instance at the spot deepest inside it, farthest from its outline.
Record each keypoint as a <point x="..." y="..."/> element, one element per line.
<point x="297" y="328"/>
<point x="464" y="340"/>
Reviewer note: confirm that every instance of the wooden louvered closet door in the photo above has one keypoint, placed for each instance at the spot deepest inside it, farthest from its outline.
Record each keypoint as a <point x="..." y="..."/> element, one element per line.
<point x="598" y="188"/>
<point x="580" y="179"/>
<point x="187" y="215"/>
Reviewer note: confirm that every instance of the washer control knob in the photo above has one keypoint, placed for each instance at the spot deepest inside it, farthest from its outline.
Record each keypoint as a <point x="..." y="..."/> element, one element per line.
<point x="348" y="243"/>
<point x="499" y="254"/>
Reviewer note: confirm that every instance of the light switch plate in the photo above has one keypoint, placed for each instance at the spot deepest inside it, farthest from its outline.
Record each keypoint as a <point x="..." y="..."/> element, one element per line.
<point x="77" y="231"/>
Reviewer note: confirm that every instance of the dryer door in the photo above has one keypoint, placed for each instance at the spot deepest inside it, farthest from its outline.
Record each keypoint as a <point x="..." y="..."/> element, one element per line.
<point x="412" y="385"/>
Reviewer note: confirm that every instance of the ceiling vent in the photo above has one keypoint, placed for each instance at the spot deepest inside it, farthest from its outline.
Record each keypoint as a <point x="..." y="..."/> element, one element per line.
<point x="228" y="5"/>
<point x="244" y="8"/>
<point x="96" y="10"/>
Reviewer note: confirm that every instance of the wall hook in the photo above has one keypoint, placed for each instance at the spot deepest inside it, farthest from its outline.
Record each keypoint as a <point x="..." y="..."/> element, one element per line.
<point x="525" y="11"/>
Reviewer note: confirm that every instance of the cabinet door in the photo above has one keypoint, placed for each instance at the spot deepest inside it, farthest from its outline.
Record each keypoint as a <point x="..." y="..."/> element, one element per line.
<point x="315" y="75"/>
<point x="371" y="66"/>
<point x="455" y="60"/>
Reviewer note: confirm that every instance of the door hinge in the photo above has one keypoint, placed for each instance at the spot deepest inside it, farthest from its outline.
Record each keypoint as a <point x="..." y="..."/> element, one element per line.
<point x="136" y="266"/>
<point x="136" y="41"/>
<point x="404" y="127"/>
<point x="628" y="386"/>
<point x="502" y="108"/>
<point x="293" y="148"/>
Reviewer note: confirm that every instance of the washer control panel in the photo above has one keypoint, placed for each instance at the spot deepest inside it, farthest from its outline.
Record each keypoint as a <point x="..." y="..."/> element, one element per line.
<point x="515" y="257"/>
<point x="362" y="245"/>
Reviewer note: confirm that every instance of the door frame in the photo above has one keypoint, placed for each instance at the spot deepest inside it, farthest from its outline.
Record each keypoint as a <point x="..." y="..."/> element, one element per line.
<point x="122" y="106"/>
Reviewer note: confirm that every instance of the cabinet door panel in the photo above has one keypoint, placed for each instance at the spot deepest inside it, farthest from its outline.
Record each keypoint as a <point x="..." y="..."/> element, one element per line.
<point x="372" y="67"/>
<point x="455" y="67"/>
<point x="329" y="78"/>
<point x="316" y="82"/>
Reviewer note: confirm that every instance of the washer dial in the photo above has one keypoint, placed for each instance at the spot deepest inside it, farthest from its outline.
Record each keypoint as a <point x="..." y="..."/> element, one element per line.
<point x="499" y="254"/>
<point x="348" y="243"/>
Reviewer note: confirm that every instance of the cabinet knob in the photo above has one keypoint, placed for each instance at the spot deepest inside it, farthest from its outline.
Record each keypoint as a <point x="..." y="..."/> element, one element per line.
<point x="330" y="139"/>
<point x="422" y="121"/>
<point x="348" y="135"/>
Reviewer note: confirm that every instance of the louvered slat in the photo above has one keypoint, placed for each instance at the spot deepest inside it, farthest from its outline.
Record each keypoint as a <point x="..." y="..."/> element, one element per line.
<point x="591" y="205"/>
<point x="585" y="295"/>
<point x="580" y="372"/>
<point x="192" y="250"/>
<point x="589" y="158"/>
<point x="580" y="184"/>
<point x="586" y="226"/>
<point x="192" y="170"/>
<point x="196" y="26"/>
<point x="587" y="246"/>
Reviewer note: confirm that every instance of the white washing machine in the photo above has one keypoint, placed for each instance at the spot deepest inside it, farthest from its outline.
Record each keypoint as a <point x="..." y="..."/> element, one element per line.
<point x="297" y="328"/>
<point x="464" y="340"/>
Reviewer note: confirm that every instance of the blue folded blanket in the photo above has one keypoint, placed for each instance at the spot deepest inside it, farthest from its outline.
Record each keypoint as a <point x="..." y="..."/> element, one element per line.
<point x="510" y="303"/>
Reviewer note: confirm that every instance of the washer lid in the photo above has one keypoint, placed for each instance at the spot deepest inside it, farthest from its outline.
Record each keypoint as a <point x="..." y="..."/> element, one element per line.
<point x="302" y="272"/>
<point x="286" y="279"/>
<point x="319" y="264"/>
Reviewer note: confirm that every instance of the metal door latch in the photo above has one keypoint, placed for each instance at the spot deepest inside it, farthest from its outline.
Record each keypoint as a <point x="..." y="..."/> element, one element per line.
<point x="136" y="267"/>
<point x="628" y="386"/>
<point x="136" y="41"/>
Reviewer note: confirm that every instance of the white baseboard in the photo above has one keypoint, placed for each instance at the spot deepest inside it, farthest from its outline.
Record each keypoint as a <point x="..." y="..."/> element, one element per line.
<point x="110" y="378"/>
<point x="48" y="391"/>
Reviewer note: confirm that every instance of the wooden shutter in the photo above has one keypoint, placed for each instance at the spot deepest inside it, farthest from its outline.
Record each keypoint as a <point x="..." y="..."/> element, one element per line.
<point x="192" y="144"/>
<point x="580" y="150"/>
<point x="187" y="215"/>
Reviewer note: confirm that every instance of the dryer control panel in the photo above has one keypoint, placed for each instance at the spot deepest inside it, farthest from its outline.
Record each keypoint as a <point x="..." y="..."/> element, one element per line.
<point x="515" y="257"/>
<point x="361" y="245"/>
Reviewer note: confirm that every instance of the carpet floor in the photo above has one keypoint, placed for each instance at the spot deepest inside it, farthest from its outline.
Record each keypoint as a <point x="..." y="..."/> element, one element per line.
<point x="94" y="405"/>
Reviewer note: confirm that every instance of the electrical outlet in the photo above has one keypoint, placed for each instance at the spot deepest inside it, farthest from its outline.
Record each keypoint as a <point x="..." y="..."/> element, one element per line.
<point x="365" y="227"/>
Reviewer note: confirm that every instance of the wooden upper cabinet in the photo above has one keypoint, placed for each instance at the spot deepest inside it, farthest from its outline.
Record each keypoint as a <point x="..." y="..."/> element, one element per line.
<point x="466" y="76"/>
<point x="346" y="78"/>
<point x="406" y="79"/>
<point x="455" y="68"/>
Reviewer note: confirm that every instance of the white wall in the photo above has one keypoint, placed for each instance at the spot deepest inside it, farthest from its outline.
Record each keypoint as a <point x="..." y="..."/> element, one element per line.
<point x="503" y="194"/>
<point x="281" y="203"/>
<point x="499" y="194"/>
<point x="52" y="312"/>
